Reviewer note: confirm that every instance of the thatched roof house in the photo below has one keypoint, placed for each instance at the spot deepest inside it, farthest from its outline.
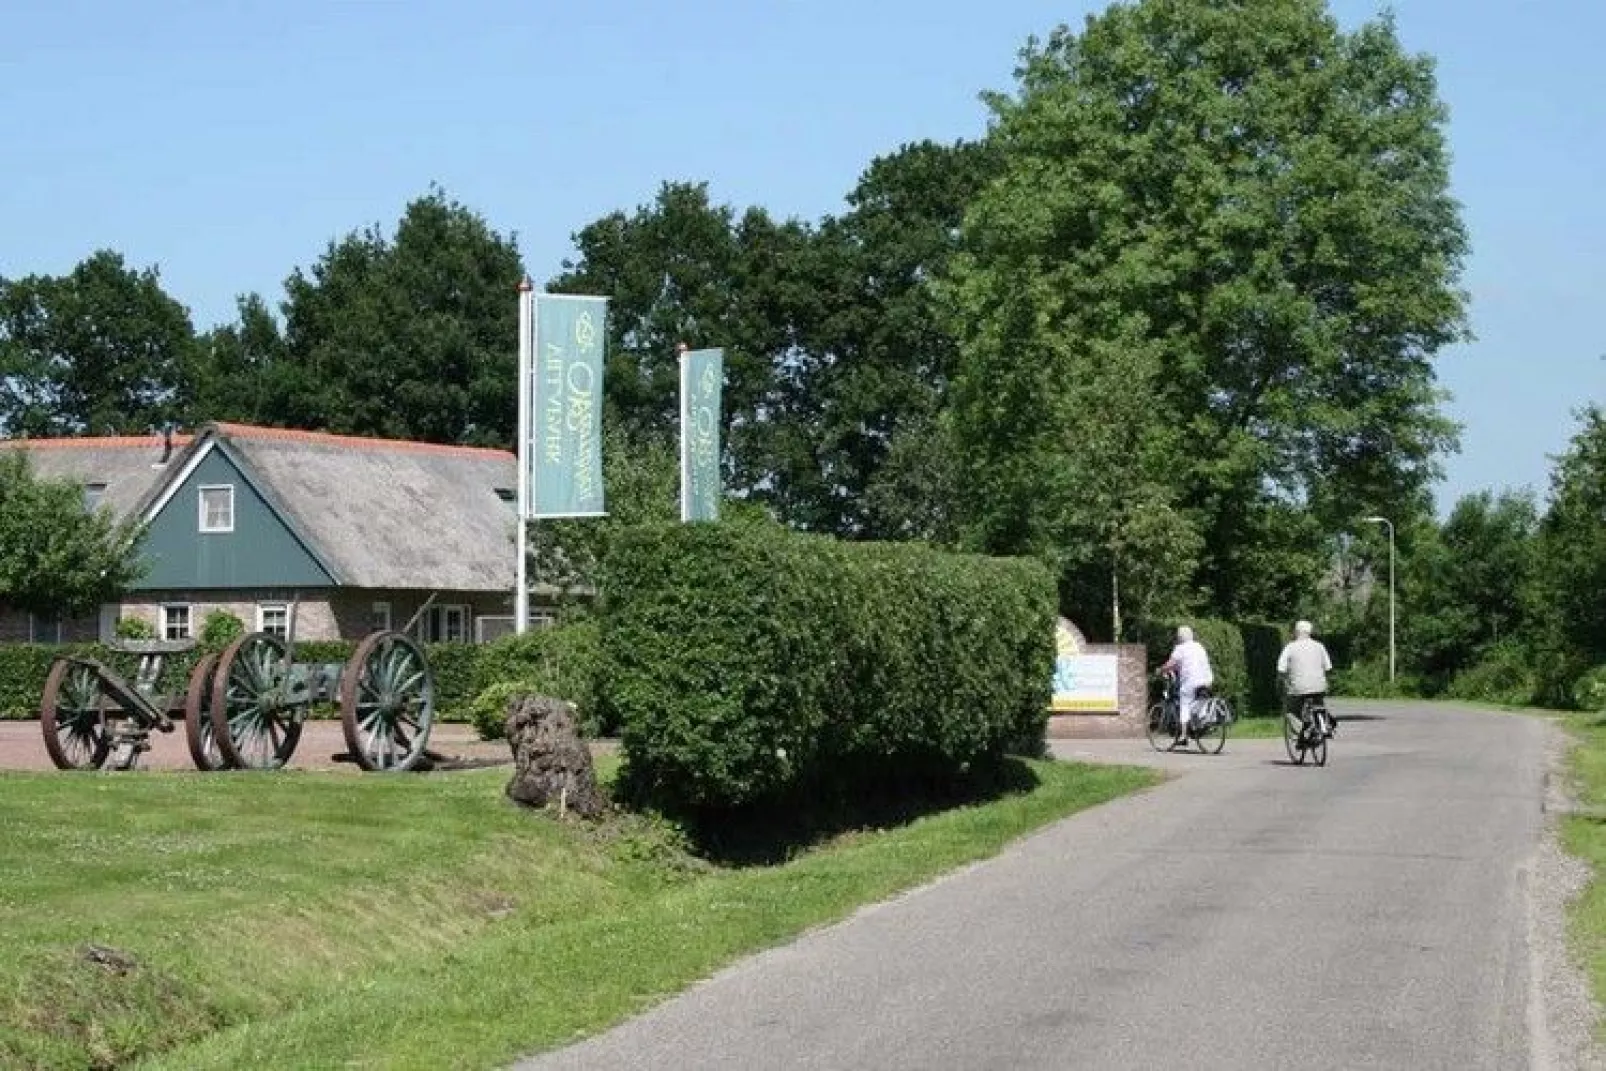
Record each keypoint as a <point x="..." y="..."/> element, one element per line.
<point x="357" y="532"/>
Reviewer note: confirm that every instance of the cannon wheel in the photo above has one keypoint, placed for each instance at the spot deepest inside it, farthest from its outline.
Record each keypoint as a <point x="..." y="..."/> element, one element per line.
<point x="72" y="714"/>
<point x="255" y="728"/>
<point x="387" y="702"/>
<point x="198" y="729"/>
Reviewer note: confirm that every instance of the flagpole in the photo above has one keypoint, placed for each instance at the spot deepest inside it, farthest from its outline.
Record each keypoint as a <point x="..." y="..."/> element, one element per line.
<point x="681" y="350"/>
<point x="521" y="591"/>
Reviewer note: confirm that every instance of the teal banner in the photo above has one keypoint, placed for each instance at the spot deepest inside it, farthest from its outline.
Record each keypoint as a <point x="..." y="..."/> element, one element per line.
<point x="702" y="375"/>
<point x="565" y="448"/>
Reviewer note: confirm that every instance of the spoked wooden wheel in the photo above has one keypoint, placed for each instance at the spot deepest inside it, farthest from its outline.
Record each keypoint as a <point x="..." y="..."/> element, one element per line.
<point x="199" y="731"/>
<point x="256" y="715"/>
<point x="387" y="702"/>
<point x="73" y="716"/>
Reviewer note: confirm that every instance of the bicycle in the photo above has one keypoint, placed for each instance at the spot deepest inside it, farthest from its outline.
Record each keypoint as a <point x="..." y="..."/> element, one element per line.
<point x="1207" y="728"/>
<point x="1307" y="733"/>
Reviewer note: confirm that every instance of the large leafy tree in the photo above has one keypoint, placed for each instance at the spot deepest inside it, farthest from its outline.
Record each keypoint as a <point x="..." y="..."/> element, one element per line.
<point x="56" y="557"/>
<point x="1466" y="583"/>
<point x="1569" y="612"/>
<point x="875" y="361"/>
<point x="837" y="362"/>
<point x="1258" y="200"/>
<point x="233" y="367"/>
<point x="410" y="336"/>
<point x="98" y="351"/>
<point x="685" y="270"/>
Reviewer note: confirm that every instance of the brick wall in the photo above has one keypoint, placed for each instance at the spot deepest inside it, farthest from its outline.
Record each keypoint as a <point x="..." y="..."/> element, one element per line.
<point x="314" y="618"/>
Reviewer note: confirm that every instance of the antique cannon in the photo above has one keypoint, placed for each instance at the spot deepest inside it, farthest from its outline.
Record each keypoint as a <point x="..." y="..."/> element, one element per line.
<point x="244" y="707"/>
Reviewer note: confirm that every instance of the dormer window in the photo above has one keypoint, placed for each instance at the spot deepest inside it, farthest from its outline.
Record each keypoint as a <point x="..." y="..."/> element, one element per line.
<point x="217" y="508"/>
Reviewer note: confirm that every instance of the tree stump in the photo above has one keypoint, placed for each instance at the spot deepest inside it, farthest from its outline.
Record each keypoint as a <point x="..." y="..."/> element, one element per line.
<point x="552" y="764"/>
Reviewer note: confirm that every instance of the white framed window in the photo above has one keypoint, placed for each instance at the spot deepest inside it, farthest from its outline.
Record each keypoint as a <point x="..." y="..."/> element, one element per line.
<point x="175" y="622"/>
<point x="444" y="624"/>
<point x="94" y="495"/>
<point x="273" y="618"/>
<point x="217" y="508"/>
<point x="379" y="616"/>
<point x="44" y="628"/>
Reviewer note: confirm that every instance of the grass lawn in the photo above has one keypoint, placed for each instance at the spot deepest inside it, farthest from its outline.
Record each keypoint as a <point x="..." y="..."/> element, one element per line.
<point x="1256" y="729"/>
<point x="1584" y="836"/>
<point x="302" y="919"/>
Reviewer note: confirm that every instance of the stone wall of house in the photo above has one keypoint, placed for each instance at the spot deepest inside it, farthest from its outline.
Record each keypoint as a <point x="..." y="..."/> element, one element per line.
<point x="1133" y="697"/>
<point x="315" y="620"/>
<point x="342" y="614"/>
<point x="354" y="611"/>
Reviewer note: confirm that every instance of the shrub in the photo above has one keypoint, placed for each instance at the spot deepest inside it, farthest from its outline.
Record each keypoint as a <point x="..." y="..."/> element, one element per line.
<point x="220" y="629"/>
<point x="457" y="680"/>
<point x="563" y="661"/>
<point x="1369" y="679"/>
<point x="749" y="662"/>
<point x="1262" y="643"/>
<point x="23" y="668"/>
<point x="1589" y="690"/>
<point x="134" y="628"/>
<point x="1502" y="676"/>
<point x="488" y="711"/>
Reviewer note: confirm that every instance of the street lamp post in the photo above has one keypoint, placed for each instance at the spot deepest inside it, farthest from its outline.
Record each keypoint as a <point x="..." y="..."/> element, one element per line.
<point x="1390" y="526"/>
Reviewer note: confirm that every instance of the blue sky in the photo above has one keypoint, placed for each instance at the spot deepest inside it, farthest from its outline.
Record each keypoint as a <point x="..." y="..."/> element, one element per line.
<point x="228" y="141"/>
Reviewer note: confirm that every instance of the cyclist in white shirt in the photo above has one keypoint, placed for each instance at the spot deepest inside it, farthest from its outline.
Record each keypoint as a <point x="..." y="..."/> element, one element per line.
<point x="1303" y="667"/>
<point x="1191" y="663"/>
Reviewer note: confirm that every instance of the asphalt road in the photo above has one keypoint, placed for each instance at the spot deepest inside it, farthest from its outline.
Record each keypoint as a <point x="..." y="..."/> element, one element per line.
<point x="1246" y="914"/>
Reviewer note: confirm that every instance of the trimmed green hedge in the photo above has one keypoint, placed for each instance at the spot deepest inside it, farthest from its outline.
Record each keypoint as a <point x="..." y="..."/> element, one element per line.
<point x="747" y="663"/>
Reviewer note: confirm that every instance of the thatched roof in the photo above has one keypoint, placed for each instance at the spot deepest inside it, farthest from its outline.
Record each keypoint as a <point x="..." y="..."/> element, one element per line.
<point x="129" y="466"/>
<point x="387" y="514"/>
<point x="378" y="513"/>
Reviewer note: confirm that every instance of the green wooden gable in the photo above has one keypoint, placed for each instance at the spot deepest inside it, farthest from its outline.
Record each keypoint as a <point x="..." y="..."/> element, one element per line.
<point x="257" y="549"/>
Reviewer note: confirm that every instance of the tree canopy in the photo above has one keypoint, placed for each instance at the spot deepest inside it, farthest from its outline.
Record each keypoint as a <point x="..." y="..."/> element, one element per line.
<point x="1171" y="324"/>
<point x="99" y="351"/>
<point x="407" y="337"/>
<point x="1253" y="204"/>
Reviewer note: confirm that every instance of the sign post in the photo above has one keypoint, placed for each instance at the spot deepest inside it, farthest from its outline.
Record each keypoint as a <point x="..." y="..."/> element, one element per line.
<point x="521" y="583"/>
<point x="562" y="338"/>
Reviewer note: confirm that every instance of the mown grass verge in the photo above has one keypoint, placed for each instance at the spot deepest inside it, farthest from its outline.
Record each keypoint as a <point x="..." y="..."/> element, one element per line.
<point x="1255" y="729"/>
<point x="328" y="920"/>
<point x="1584" y="835"/>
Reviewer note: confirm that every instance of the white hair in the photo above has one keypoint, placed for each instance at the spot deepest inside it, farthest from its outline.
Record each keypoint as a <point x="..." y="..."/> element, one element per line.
<point x="1184" y="634"/>
<point x="1302" y="628"/>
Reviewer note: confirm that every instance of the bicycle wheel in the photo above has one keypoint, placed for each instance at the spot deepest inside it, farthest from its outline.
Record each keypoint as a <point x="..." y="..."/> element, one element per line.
<point x="1159" y="728"/>
<point x="1293" y="738"/>
<point x="1213" y="737"/>
<point x="1318" y="735"/>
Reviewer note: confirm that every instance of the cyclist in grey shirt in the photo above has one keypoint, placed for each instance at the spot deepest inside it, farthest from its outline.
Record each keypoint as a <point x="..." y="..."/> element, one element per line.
<point x="1303" y="667"/>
